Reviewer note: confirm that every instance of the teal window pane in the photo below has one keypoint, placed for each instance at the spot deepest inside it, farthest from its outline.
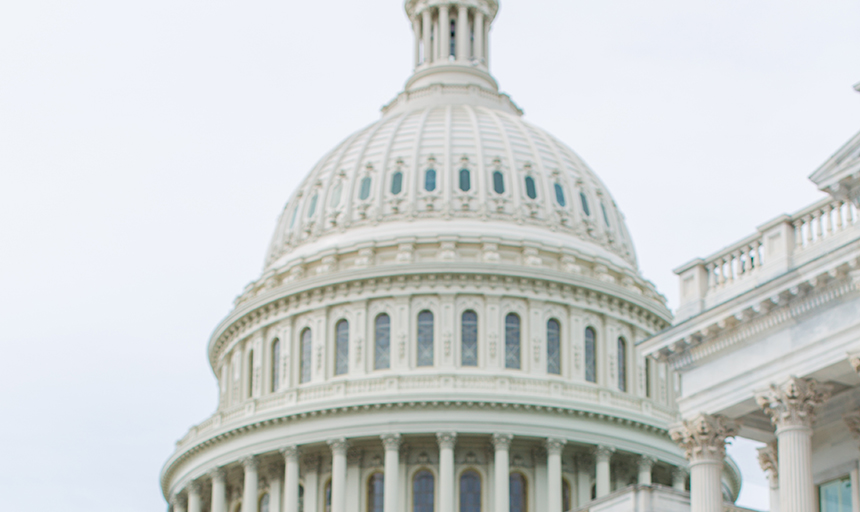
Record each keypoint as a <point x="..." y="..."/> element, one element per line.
<point x="584" y="201"/>
<point x="382" y="357"/>
<point x="531" y="191"/>
<point x="553" y="347"/>
<point x="512" y="341"/>
<point x="341" y="348"/>
<point x="306" y="355"/>
<point x="469" y="356"/>
<point x="425" y="338"/>
<point x="498" y="182"/>
<point x="430" y="180"/>
<point x="559" y="195"/>
<point x="590" y="355"/>
<point x="313" y="206"/>
<point x="364" y="191"/>
<point x="397" y="183"/>
<point x="465" y="180"/>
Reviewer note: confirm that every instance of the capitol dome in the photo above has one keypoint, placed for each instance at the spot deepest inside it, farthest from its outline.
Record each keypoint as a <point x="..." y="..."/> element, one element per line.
<point x="446" y="321"/>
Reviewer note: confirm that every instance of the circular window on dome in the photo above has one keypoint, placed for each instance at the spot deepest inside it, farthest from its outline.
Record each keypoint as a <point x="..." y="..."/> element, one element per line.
<point x="559" y="195"/>
<point x="364" y="191"/>
<point x="430" y="180"/>
<point x="531" y="191"/>
<point x="584" y="201"/>
<point x="397" y="183"/>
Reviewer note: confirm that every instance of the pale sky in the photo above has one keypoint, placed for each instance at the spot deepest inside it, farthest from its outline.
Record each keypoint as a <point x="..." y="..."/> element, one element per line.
<point x="147" y="147"/>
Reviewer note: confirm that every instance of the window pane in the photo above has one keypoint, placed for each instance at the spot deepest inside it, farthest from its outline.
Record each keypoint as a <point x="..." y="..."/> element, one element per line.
<point x="584" y="201"/>
<point x="425" y="338"/>
<point x="430" y="180"/>
<point x="590" y="356"/>
<point x="512" y="341"/>
<point x="250" y="373"/>
<point x="264" y="503"/>
<point x="605" y="216"/>
<point x="293" y="218"/>
<point x="470" y="492"/>
<point x="276" y="365"/>
<point x="364" y="192"/>
<point x="376" y="493"/>
<point x="397" y="183"/>
<point x="647" y="378"/>
<point x="335" y="195"/>
<point x="559" y="195"/>
<point x="553" y="347"/>
<point x="313" y="207"/>
<point x="306" y="355"/>
<point x="383" y="342"/>
<point x="518" y="493"/>
<point x="422" y="492"/>
<point x="622" y="364"/>
<point x="328" y="496"/>
<point x="498" y="182"/>
<point x="470" y="339"/>
<point x="465" y="180"/>
<point x="530" y="187"/>
<point x="342" y="348"/>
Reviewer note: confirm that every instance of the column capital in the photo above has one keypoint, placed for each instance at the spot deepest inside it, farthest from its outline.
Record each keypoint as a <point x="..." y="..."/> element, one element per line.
<point x="704" y="436"/>
<point x="250" y="463"/>
<point x="291" y="452"/>
<point x="446" y="440"/>
<point x="854" y="359"/>
<point x="603" y="452"/>
<point x="217" y="474"/>
<point x="502" y="441"/>
<point x="179" y="500"/>
<point x="339" y="445"/>
<point x="391" y="442"/>
<point x="852" y="421"/>
<point x="646" y="462"/>
<point x="768" y="459"/>
<point x="194" y="487"/>
<point x="793" y="403"/>
<point x="554" y="446"/>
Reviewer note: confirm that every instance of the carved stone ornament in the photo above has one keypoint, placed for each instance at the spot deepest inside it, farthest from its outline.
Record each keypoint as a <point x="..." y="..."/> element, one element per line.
<point x="768" y="458"/>
<point x="854" y="359"/>
<point x="338" y="446"/>
<point x="646" y="463"/>
<point x="704" y="436"/>
<point x="603" y="452"/>
<point x="250" y="463"/>
<point x="391" y="442"/>
<point x="794" y="402"/>
<point x="502" y="441"/>
<point x="852" y="421"/>
<point x="447" y="440"/>
<point x="218" y="474"/>
<point x="555" y="446"/>
<point x="290" y="452"/>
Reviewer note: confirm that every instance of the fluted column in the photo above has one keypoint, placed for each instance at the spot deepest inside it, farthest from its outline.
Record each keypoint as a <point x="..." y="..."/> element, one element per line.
<point x="427" y="32"/>
<point x="219" y="490"/>
<point x="311" y="472"/>
<point x="447" y="440"/>
<point x="584" y="468"/>
<point x="179" y="503"/>
<point x="646" y="465"/>
<point x="444" y="33"/>
<point x="479" y="35"/>
<point x="768" y="459"/>
<point x="252" y="480"/>
<point x="554" y="448"/>
<point x="602" y="456"/>
<point x="791" y="407"/>
<point x="392" y="471"/>
<point x="416" y="28"/>
<point x="194" y="502"/>
<point x="291" y="478"/>
<point x="679" y="479"/>
<point x="704" y="440"/>
<point x="338" y="474"/>
<point x="463" y="33"/>
<point x="502" y="445"/>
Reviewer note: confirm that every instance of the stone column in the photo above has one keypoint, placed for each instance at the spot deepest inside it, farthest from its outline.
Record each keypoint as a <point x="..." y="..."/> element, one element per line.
<point x="291" y="478"/>
<point x="219" y="490"/>
<point x="312" y="480"/>
<point x="583" y="479"/>
<point x="602" y="456"/>
<point x="392" y="471"/>
<point x="338" y="474"/>
<point x="447" y="440"/>
<point x="444" y="33"/>
<point x="479" y="35"/>
<point x="463" y="34"/>
<point x="554" y="448"/>
<point x="679" y="479"/>
<point x="791" y="407"/>
<point x="194" y="502"/>
<point x="252" y="478"/>
<point x="852" y="421"/>
<point x="768" y="459"/>
<point x="502" y="465"/>
<point x="178" y="503"/>
<point x="427" y="30"/>
<point x="276" y="479"/>
<point x="416" y="28"/>
<point x="646" y="464"/>
<point x="704" y="439"/>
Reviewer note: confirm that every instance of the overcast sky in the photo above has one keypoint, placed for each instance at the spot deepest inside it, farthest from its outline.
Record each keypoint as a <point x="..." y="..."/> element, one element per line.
<point x="147" y="147"/>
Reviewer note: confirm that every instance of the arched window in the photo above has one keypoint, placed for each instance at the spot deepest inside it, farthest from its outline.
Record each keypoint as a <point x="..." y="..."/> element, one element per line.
<point x="425" y="339"/>
<point x="453" y="39"/>
<point x="382" y="343"/>
<point x="519" y="490"/>
<point x="276" y="365"/>
<point x="498" y="182"/>
<point x="364" y="190"/>
<point x="430" y="180"/>
<point x="250" y="374"/>
<point x="397" y="183"/>
<point x="469" y="335"/>
<point x="590" y="355"/>
<point x="512" y="341"/>
<point x="584" y="201"/>
<point x="301" y="498"/>
<point x="605" y="216"/>
<point x="341" y="349"/>
<point x="335" y="195"/>
<point x="566" y="503"/>
<point x="328" y="496"/>
<point x="423" y="492"/>
<point x="559" y="195"/>
<point x="465" y="180"/>
<point x="553" y="347"/>
<point x="470" y="492"/>
<point x="264" y="503"/>
<point x="531" y="191"/>
<point x="313" y="206"/>
<point x="622" y="364"/>
<point x="306" y="356"/>
<point x="376" y="493"/>
<point x="293" y="218"/>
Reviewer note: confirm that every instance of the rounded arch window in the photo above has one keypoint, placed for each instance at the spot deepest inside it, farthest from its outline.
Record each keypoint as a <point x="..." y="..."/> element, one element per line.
<point x="584" y="201"/>
<point x="423" y="492"/>
<point x="250" y="374"/>
<point x="559" y="195"/>
<point x="376" y="493"/>
<point x="469" y="339"/>
<point x="605" y="216"/>
<point x="519" y="493"/>
<point x="313" y="206"/>
<point x="335" y="195"/>
<point x="470" y="492"/>
<point x="590" y="355"/>
<point x="306" y="347"/>
<point x="276" y="365"/>
<point x="397" y="183"/>
<point x="553" y="347"/>
<point x="498" y="182"/>
<point x="293" y="218"/>
<point x="622" y="364"/>
<point x="465" y="180"/>
<point x="382" y="342"/>
<point x="512" y="341"/>
<point x="425" y="338"/>
<point x="264" y="503"/>
<point x="341" y="348"/>
<point x="531" y="190"/>
<point x="364" y="189"/>
<point x="430" y="180"/>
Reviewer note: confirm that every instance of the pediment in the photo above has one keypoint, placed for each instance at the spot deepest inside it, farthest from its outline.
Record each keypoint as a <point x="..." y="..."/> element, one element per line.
<point x="841" y="172"/>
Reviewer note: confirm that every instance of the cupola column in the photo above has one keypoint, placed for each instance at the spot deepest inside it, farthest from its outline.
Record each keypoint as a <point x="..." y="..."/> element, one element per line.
<point x="219" y="490"/>
<point x="338" y="474"/>
<point x="478" y="30"/>
<point x="584" y="466"/>
<point x="252" y="480"/>
<point x="426" y="32"/>
<point x="679" y="479"/>
<point x="704" y="440"/>
<point x="447" y="440"/>
<point x="392" y="471"/>
<point x="444" y="34"/>
<point x="502" y="445"/>
<point x="791" y="407"/>
<point x="767" y="458"/>
<point x="194" y="503"/>
<point x="179" y="503"/>
<point x="416" y="29"/>
<point x="463" y="32"/>
<point x="602" y="456"/>
<point x="554" y="448"/>
<point x="291" y="479"/>
<point x="646" y="465"/>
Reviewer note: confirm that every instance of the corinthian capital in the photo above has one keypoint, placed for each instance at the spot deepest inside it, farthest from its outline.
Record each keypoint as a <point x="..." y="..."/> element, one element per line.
<point x="704" y="436"/>
<point x="502" y="441"/>
<point x="447" y="440"/>
<point x="794" y="402"/>
<point x="852" y="421"/>
<point x="768" y="458"/>
<point x="854" y="359"/>
<point x="391" y="442"/>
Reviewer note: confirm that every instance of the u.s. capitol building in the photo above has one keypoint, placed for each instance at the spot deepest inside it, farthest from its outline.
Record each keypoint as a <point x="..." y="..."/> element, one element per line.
<point x="447" y="321"/>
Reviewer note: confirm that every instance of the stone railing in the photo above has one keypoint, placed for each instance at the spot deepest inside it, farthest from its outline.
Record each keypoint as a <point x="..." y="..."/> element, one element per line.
<point x="436" y="388"/>
<point x="785" y="242"/>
